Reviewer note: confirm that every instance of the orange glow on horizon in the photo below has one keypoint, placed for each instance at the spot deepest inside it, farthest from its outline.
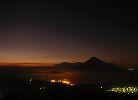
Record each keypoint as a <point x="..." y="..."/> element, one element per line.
<point x="27" y="64"/>
<point x="25" y="61"/>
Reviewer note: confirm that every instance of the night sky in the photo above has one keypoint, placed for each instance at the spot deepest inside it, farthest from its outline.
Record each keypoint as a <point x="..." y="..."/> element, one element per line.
<point x="74" y="30"/>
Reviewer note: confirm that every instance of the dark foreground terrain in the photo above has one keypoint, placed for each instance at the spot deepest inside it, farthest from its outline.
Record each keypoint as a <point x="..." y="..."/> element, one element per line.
<point x="44" y="90"/>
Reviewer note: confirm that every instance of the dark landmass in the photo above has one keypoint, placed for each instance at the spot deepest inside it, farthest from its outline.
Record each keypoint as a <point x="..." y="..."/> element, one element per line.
<point x="96" y="69"/>
<point x="41" y="90"/>
<point x="15" y="82"/>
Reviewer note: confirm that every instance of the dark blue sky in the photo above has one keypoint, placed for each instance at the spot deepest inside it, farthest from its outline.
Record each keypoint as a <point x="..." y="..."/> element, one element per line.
<point x="49" y="32"/>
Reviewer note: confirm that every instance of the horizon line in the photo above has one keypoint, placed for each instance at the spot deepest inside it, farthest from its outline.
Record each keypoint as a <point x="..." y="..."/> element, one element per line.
<point x="28" y="64"/>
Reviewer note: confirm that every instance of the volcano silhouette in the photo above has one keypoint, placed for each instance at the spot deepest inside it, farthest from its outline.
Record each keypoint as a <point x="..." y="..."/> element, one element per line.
<point x="95" y="69"/>
<point x="92" y="64"/>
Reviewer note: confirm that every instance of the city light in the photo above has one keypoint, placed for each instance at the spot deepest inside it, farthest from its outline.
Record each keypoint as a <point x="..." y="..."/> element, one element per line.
<point x="30" y="80"/>
<point x="130" y="69"/>
<point x="42" y="88"/>
<point x="53" y="81"/>
<point x="124" y="90"/>
<point x="64" y="81"/>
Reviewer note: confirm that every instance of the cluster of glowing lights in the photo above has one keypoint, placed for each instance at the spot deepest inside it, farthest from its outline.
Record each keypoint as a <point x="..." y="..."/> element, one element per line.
<point x="130" y="69"/>
<point x="42" y="88"/>
<point x="65" y="81"/>
<point x="127" y="90"/>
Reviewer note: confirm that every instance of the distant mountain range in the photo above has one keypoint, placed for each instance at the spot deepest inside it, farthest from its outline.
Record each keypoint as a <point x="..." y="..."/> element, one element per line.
<point x="92" y="70"/>
<point x="95" y="68"/>
<point x="92" y="63"/>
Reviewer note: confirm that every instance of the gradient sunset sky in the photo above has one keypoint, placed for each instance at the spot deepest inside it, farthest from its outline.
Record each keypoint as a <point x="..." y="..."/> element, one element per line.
<point x="74" y="30"/>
